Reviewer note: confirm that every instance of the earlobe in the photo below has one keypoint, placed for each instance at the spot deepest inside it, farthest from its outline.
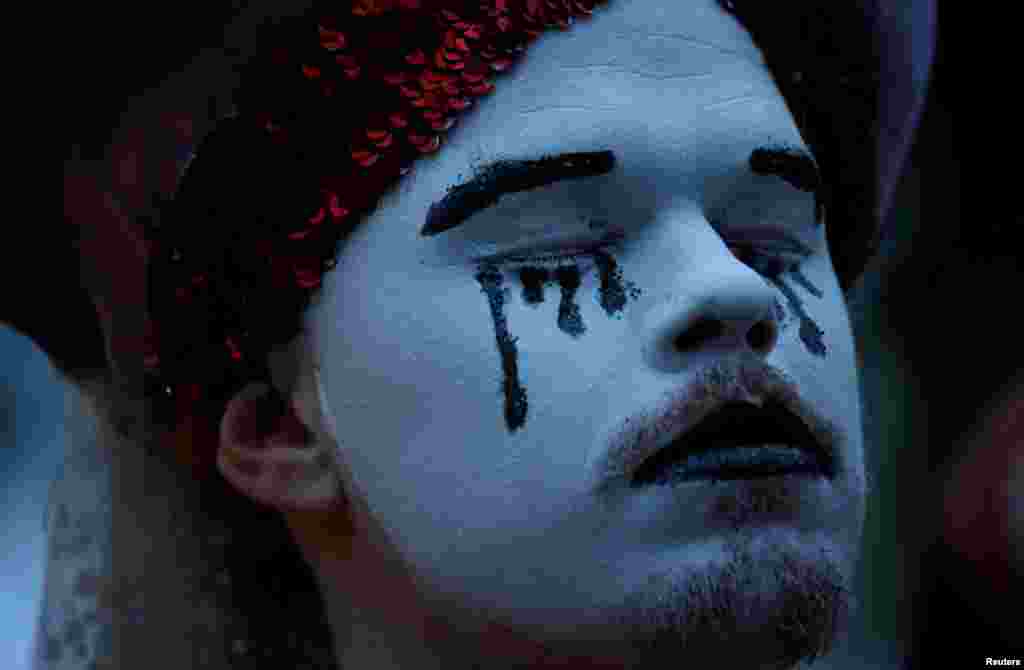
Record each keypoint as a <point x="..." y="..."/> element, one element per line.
<point x="269" y="455"/>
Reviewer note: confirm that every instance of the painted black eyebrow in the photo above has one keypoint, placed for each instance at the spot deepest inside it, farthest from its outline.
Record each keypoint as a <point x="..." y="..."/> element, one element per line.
<point x="501" y="177"/>
<point x="796" y="166"/>
<point x="496" y="179"/>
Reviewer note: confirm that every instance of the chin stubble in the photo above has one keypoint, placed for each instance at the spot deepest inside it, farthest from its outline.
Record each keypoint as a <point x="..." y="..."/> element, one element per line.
<point x="762" y="607"/>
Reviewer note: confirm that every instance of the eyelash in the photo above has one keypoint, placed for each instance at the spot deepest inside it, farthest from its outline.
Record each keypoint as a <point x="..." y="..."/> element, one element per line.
<point x="763" y="261"/>
<point x="760" y="259"/>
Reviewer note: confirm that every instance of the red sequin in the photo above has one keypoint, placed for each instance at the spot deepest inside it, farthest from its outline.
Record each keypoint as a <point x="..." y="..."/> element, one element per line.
<point x="332" y="40"/>
<point x="307" y="279"/>
<point x="443" y="125"/>
<point x="396" y="78"/>
<point x="481" y="89"/>
<point x="337" y="211"/>
<point x="431" y="146"/>
<point x="440" y="76"/>
<point x="408" y="91"/>
<point x="365" y="158"/>
<point x="233" y="348"/>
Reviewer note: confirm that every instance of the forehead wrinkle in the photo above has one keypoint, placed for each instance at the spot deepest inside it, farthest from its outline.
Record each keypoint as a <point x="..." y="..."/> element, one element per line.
<point x="691" y="40"/>
<point x="730" y="101"/>
<point x="637" y="32"/>
<point x="566" y="108"/>
<point x="606" y="68"/>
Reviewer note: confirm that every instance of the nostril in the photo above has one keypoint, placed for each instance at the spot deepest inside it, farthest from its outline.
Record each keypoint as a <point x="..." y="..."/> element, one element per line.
<point x="699" y="333"/>
<point x="760" y="336"/>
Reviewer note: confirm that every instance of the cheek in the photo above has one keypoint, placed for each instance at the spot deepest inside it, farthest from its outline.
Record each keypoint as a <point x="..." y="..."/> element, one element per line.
<point x="811" y="335"/>
<point x="815" y="313"/>
<point x="535" y="284"/>
<point x="811" y="307"/>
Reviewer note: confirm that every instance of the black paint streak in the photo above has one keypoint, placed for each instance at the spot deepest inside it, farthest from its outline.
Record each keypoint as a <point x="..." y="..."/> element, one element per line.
<point x="516" y="406"/>
<point x="810" y="333"/>
<point x="793" y="165"/>
<point x="613" y="295"/>
<point x="74" y="633"/>
<point x="569" y="319"/>
<point x="53" y="650"/>
<point x="613" y="292"/>
<point x="503" y="177"/>
<point x="533" y="284"/>
<point x="780" y="315"/>
<point x="806" y="283"/>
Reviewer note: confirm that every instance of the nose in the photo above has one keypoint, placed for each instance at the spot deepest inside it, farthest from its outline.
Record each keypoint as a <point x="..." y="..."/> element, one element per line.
<point x="729" y="309"/>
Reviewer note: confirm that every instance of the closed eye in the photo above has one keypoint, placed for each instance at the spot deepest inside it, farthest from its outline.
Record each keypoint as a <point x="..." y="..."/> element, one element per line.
<point x="766" y="260"/>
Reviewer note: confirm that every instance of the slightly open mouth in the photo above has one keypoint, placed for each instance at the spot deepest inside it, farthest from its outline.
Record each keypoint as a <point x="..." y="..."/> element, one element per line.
<point x="747" y="462"/>
<point x="738" y="441"/>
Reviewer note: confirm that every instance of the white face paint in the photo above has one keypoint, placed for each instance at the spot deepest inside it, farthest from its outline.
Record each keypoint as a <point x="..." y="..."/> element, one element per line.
<point x="508" y="521"/>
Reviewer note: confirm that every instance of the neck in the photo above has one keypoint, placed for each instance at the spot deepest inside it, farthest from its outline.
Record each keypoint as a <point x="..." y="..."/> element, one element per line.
<point x="377" y="615"/>
<point x="223" y="584"/>
<point x="381" y="616"/>
<point x="147" y="565"/>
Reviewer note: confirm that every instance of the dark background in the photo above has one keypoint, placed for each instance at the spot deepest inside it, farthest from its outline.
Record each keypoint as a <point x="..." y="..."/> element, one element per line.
<point x="935" y="324"/>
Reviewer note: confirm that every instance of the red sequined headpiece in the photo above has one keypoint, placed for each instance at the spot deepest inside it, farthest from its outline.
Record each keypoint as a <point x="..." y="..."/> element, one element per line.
<point x="331" y="117"/>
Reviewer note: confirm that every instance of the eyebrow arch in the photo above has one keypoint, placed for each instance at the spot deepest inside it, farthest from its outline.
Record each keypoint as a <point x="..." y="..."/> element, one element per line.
<point x="502" y="177"/>
<point x="496" y="179"/>
<point x="796" y="166"/>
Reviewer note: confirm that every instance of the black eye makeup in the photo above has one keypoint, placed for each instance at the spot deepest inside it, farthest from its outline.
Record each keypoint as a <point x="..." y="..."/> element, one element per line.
<point x="535" y="273"/>
<point x="766" y="260"/>
<point x="772" y="251"/>
<point x="774" y="262"/>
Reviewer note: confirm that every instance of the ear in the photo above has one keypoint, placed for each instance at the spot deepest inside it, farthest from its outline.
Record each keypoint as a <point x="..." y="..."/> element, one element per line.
<point x="269" y="453"/>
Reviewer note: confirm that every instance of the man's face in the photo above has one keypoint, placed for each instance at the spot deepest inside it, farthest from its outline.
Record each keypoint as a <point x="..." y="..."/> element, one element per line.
<point x="486" y="475"/>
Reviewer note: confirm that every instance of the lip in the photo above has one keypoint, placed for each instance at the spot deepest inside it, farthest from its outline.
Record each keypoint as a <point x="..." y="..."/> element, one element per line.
<point x="745" y="379"/>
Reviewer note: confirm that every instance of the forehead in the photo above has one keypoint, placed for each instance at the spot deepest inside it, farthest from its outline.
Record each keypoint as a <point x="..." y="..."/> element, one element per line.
<point x="635" y="74"/>
<point x="688" y="54"/>
<point x="677" y="89"/>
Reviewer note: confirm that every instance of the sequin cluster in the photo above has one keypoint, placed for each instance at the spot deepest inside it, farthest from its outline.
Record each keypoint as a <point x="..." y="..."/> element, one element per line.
<point x="348" y="99"/>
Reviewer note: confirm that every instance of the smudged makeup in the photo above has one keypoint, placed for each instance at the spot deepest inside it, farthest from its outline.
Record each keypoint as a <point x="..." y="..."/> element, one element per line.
<point x="773" y="260"/>
<point x="540" y="272"/>
<point x="536" y="273"/>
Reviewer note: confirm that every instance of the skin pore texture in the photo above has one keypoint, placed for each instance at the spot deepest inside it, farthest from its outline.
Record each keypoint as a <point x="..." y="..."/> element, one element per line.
<point x="464" y="402"/>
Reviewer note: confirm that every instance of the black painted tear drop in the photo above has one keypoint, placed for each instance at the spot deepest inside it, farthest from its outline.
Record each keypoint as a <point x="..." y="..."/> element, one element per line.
<point x="780" y="314"/>
<point x="516" y="404"/>
<point x="533" y="280"/>
<point x="806" y="283"/>
<point x="613" y="294"/>
<point x="810" y="333"/>
<point x="613" y="286"/>
<point x="569" y="319"/>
